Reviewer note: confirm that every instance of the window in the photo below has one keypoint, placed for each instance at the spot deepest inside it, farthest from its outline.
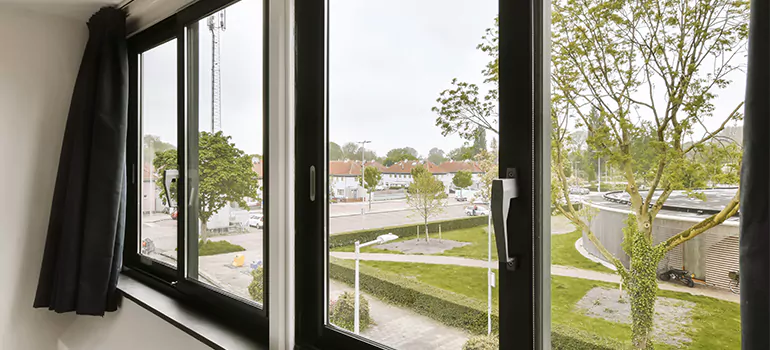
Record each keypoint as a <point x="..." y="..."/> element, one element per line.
<point x="198" y="125"/>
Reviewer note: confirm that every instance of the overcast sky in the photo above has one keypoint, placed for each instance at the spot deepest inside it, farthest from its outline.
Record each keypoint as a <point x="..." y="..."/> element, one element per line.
<point x="388" y="61"/>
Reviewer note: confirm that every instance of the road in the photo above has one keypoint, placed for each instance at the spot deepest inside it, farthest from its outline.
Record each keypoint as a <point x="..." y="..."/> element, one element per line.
<point x="347" y="223"/>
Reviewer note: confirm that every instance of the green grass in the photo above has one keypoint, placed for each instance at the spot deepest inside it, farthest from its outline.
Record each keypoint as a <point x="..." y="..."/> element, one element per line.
<point x="563" y="252"/>
<point x="715" y="323"/>
<point x="217" y="247"/>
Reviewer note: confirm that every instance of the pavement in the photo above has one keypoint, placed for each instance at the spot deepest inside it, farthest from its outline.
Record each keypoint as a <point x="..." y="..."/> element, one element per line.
<point x="402" y="328"/>
<point x="556" y="270"/>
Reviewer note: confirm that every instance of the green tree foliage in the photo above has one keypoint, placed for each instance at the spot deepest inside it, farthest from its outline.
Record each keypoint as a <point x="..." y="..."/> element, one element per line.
<point x="462" y="153"/>
<point x="225" y="175"/>
<point x="335" y="152"/>
<point x="342" y="312"/>
<point x="352" y="151"/>
<point x="398" y="154"/>
<point x="257" y="285"/>
<point x="640" y="76"/>
<point x="165" y="160"/>
<point x="372" y="178"/>
<point x="462" y="179"/>
<point x="151" y="145"/>
<point x="425" y="195"/>
<point x="480" y="141"/>
<point x="436" y="155"/>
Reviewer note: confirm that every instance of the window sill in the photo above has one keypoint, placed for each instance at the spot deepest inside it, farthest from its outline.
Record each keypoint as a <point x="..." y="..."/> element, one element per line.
<point x="207" y="330"/>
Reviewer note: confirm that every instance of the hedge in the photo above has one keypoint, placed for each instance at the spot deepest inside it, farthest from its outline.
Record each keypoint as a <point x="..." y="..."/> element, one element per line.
<point x="403" y="231"/>
<point x="449" y="308"/>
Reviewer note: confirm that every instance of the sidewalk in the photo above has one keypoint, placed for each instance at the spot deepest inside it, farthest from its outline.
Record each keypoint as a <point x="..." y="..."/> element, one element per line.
<point x="556" y="270"/>
<point x="401" y="328"/>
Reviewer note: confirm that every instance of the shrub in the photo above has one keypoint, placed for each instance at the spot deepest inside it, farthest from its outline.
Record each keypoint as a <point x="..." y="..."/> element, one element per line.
<point x="217" y="247"/>
<point x="482" y="342"/>
<point x="257" y="285"/>
<point x="450" y="308"/>
<point x="404" y="231"/>
<point x="342" y="311"/>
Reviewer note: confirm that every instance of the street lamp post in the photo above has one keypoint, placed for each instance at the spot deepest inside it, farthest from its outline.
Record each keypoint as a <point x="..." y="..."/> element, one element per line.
<point x="363" y="154"/>
<point x="380" y="240"/>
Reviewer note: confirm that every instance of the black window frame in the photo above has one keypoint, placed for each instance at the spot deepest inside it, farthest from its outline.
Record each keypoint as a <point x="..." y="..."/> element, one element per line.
<point x="521" y="90"/>
<point x="243" y="316"/>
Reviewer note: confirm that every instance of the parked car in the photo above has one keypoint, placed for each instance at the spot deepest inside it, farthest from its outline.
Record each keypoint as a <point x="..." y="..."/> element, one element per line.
<point x="578" y="190"/>
<point x="256" y="220"/>
<point x="461" y="199"/>
<point x="476" y="210"/>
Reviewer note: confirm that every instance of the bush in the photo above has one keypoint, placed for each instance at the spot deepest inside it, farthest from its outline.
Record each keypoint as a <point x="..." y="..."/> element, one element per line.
<point x="342" y="311"/>
<point x="450" y="308"/>
<point x="404" y="231"/>
<point x="257" y="285"/>
<point x="217" y="247"/>
<point x="483" y="342"/>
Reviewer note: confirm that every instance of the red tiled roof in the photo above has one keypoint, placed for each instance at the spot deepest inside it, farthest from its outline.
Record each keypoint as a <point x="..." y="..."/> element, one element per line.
<point x="349" y="167"/>
<point x="256" y="166"/>
<point x="455" y="166"/>
<point x="405" y="167"/>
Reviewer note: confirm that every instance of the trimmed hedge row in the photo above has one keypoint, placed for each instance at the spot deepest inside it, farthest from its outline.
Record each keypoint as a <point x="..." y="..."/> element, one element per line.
<point x="446" y="307"/>
<point x="403" y="231"/>
<point x="450" y="308"/>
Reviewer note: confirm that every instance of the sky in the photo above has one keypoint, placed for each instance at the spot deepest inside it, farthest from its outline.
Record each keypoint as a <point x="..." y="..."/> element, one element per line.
<point x="388" y="61"/>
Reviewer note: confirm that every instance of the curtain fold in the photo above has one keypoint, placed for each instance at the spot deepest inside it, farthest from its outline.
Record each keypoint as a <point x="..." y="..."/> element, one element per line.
<point x="755" y="186"/>
<point x="83" y="250"/>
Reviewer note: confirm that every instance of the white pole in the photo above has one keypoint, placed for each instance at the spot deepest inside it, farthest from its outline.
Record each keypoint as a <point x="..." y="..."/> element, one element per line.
<point x="599" y="187"/>
<point x="489" y="274"/>
<point x="357" y="305"/>
<point x="439" y="233"/>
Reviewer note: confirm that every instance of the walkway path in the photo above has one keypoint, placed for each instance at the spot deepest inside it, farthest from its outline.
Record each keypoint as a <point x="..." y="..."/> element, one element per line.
<point x="556" y="270"/>
<point x="401" y="328"/>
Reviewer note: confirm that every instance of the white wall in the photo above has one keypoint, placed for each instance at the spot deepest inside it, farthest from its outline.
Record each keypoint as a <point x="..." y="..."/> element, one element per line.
<point x="39" y="59"/>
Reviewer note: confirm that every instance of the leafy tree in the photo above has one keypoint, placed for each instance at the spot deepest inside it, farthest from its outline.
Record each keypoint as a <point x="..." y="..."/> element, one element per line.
<point x="488" y="162"/>
<point x="663" y="60"/>
<point x="462" y="153"/>
<point x="352" y="151"/>
<point x="257" y="285"/>
<point x="641" y="79"/>
<point x="463" y="179"/>
<point x="425" y="195"/>
<point x="398" y="154"/>
<point x="165" y="160"/>
<point x="479" y="141"/>
<point x="372" y="178"/>
<point x="152" y="144"/>
<point x="436" y="155"/>
<point x="225" y="175"/>
<point x="335" y="152"/>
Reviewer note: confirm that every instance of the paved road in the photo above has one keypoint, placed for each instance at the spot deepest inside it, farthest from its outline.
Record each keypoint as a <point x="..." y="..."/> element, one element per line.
<point x="392" y="218"/>
<point x="556" y="270"/>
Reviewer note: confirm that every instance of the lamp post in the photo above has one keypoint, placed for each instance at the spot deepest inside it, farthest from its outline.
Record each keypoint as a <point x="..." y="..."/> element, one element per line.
<point x="363" y="154"/>
<point x="380" y="240"/>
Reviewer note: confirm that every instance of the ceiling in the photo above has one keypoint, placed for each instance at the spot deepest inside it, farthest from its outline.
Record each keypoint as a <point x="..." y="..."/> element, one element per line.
<point x="74" y="9"/>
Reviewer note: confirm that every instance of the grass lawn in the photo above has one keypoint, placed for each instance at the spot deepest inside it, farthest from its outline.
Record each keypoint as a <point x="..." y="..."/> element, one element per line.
<point x="563" y="252"/>
<point x="715" y="323"/>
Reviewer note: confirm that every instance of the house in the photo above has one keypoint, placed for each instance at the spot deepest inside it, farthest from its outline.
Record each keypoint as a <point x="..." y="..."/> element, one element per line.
<point x="400" y="174"/>
<point x="151" y="203"/>
<point x="345" y="179"/>
<point x="451" y="168"/>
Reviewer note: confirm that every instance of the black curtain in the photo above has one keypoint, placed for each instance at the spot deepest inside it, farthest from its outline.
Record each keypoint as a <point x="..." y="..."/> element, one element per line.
<point x="83" y="251"/>
<point x="755" y="186"/>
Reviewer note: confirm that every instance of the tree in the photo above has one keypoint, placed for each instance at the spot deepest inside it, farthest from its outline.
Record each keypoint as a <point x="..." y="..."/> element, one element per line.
<point x="479" y="141"/>
<point x="462" y="153"/>
<point x="398" y="154"/>
<point x="372" y="178"/>
<point x="648" y="71"/>
<point x="352" y="151"/>
<point x="152" y="144"/>
<point x="335" y="152"/>
<point x="640" y="78"/>
<point x="425" y="195"/>
<point x="436" y="155"/>
<point x="462" y="179"/>
<point x="225" y="175"/>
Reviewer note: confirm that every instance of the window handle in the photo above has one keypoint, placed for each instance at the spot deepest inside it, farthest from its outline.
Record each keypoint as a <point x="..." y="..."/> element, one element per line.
<point x="312" y="183"/>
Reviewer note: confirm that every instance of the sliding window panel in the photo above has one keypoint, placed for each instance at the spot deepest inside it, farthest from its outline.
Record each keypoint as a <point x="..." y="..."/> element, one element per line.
<point x="226" y="146"/>
<point x="158" y="161"/>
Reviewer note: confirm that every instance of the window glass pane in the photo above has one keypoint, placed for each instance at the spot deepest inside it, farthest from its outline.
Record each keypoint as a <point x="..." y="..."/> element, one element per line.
<point x="647" y="144"/>
<point x="159" y="152"/>
<point x="230" y="163"/>
<point x="424" y="284"/>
